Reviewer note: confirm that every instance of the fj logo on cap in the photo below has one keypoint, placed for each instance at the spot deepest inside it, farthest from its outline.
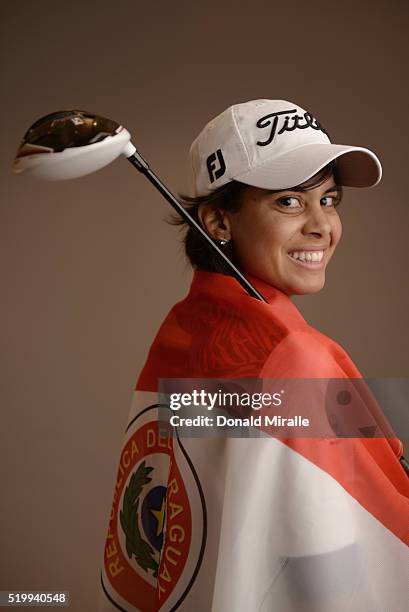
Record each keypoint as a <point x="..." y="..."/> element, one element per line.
<point x="214" y="171"/>
<point x="290" y="123"/>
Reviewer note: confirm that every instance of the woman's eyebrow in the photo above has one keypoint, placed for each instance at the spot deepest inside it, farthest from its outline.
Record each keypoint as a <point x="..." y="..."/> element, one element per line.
<point x="304" y="190"/>
<point x="333" y="188"/>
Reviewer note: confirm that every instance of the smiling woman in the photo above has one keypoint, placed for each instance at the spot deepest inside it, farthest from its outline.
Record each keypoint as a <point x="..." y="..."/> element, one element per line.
<point x="260" y="229"/>
<point x="267" y="523"/>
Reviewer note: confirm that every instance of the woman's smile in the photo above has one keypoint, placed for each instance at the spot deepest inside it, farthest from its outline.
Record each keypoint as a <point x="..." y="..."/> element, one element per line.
<point x="310" y="259"/>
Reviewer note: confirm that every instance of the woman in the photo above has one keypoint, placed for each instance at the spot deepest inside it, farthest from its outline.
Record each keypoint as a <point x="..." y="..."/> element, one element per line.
<point x="286" y="524"/>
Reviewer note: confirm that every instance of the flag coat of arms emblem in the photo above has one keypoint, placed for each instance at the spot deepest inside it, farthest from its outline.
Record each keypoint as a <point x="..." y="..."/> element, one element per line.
<point x="243" y="525"/>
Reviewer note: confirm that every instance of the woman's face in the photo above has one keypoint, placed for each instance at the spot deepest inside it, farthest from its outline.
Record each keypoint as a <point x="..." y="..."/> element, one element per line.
<point x="287" y="238"/>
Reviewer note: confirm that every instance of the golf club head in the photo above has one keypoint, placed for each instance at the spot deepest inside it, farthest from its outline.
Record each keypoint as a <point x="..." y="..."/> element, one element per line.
<point x="69" y="144"/>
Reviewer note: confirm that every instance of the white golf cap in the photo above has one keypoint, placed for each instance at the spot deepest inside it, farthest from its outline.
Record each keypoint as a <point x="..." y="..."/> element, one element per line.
<point x="273" y="144"/>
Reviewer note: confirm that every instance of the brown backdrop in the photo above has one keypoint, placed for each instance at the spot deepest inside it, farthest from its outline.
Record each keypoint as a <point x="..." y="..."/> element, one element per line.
<point x="89" y="268"/>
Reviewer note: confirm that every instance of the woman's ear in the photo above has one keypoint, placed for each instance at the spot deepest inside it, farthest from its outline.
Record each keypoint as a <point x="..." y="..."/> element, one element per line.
<point x="215" y="221"/>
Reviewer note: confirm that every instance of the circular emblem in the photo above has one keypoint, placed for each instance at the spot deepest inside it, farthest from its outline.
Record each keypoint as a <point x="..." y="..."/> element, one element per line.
<point x="156" y="532"/>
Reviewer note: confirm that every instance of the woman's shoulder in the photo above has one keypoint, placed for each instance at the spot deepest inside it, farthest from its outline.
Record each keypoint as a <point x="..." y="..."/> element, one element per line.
<point x="274" y="333"/>
<point x="220" y="331"/>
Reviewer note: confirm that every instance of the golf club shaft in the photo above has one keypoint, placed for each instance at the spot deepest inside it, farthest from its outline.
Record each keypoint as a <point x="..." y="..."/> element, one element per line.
<point x="138" y="162"/>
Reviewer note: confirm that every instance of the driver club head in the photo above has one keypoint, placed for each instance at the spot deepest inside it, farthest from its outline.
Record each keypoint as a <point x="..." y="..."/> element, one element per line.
<point x="69" y="144"/>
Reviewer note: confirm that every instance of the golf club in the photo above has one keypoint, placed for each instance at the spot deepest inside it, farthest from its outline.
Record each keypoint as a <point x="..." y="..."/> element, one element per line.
<point x="72" y="143"/>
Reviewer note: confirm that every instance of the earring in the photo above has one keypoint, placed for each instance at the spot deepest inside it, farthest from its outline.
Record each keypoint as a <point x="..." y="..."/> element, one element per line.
<point x="223" y="241"/>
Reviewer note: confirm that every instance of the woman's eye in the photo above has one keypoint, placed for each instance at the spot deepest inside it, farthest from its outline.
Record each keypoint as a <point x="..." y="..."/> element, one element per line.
<point x="330" y="200"/>
<point x="289" y="202"/>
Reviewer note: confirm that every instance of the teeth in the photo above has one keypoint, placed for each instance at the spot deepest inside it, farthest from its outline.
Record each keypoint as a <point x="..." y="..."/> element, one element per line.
<point x="308" y="256"/>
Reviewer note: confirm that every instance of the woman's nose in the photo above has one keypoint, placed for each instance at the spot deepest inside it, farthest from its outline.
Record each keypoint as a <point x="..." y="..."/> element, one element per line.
<point x="316" y="221"/>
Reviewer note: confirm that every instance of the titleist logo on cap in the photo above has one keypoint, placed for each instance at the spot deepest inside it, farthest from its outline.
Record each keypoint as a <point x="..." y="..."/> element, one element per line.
<point x="291" y="122"/>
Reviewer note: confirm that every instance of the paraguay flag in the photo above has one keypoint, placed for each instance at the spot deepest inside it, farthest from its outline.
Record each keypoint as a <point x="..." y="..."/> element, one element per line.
<point x="262" y="524"/>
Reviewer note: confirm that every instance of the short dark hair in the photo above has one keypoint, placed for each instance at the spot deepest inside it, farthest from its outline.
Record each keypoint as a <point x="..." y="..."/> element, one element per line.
<point x="227" y="198"/>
